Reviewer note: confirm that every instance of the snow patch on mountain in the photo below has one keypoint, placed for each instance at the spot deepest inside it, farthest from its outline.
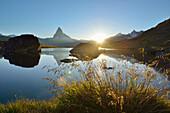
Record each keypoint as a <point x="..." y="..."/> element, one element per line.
<point x="12" y="35"/>
<point x="121" y="37"/>
<point x="134" y="33"/>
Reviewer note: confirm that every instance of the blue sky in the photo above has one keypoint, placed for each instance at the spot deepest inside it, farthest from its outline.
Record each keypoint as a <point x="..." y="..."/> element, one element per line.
<point x="80" y="18"/>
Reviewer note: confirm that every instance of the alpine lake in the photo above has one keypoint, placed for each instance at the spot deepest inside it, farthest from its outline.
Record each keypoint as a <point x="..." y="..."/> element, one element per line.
<point x="23" y="76"/>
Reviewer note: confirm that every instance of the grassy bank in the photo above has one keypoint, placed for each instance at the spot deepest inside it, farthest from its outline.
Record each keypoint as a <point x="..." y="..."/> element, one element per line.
<point x="92" y="89"/>
<point x="47" y="46"/>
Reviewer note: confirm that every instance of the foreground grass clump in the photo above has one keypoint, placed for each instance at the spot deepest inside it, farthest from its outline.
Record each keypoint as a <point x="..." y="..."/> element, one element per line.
<point x="92" y="99"/>
<point x="90" y="88"/>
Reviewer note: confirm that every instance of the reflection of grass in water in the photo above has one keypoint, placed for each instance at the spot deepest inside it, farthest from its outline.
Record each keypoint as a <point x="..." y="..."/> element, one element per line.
<point x="93" y="89"/>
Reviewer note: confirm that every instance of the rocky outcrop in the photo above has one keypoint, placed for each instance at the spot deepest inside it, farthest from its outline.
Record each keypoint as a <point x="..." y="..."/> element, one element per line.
<point x="22" y="50"/>
<point x="85" y="50"/>
<point x="149" y="50"/>
<point x="68" y="60"/>
<point x="22" y="44"/>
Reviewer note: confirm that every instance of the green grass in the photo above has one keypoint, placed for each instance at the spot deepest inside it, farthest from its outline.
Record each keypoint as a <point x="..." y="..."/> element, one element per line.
<point x="29" y="106"/>
<point x="91" y="90"/>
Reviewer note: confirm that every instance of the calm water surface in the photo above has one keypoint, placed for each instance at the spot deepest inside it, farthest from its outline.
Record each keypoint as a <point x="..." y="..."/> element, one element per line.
<point x="28" y="82"/>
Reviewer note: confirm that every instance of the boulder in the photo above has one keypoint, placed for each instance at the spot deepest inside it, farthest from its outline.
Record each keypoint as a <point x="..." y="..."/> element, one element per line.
<point x="85" y="50"/>
<point x="161" y="53"/>
<point x="68" y="60"/>
<point x="149" y="50"/>
<point x="167" y="50"/>
<point x="22" y="44"/>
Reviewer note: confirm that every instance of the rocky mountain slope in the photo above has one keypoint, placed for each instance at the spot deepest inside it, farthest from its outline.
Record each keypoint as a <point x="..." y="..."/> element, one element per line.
<point x="158" y="36"/>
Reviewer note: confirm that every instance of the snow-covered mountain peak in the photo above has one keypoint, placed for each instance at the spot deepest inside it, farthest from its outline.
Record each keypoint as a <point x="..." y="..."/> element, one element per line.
<point x="12" y="35"/>
<point x="60" y="35"/>
<point x="59" y="30"/>
<point x="121" y="37"/>
<point x="119" y="34"/>
<point x="60" y="39"/>
<point x="133" y="32"/>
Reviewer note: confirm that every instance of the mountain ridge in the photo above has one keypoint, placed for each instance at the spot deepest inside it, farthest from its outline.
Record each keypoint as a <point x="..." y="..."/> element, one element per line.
<point x="158" y="36"/>
<point x="121" y="37"/>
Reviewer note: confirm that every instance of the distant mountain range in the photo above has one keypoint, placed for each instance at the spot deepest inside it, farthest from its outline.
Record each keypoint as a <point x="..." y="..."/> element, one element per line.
<point x="12" y="35"/>
<point x="158" y="36"/>
<point x="121" y="37"/>
<point x="60" y="39"/>
<point x="4" y="38"/>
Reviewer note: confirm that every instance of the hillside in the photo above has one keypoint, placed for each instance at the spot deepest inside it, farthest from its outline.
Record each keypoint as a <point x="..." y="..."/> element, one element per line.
<point x="158" y="36"/>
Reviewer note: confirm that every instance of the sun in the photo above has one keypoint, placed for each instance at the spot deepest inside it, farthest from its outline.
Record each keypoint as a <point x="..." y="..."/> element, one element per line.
<point x="99" y="37"/>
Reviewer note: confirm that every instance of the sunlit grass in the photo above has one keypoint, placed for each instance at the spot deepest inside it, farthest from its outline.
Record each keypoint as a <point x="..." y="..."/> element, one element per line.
<point x="93" y="89"/>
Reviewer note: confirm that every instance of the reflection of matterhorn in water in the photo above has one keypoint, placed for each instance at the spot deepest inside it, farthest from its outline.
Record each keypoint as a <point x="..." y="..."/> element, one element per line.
<point x="57" y="53"/>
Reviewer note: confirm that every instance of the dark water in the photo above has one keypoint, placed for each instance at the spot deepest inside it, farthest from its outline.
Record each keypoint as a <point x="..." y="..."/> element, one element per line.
<point x="23" y="76"/>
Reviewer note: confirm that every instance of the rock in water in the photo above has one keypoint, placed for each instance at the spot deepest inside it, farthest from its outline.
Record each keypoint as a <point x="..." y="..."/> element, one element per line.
<point x="85" y="50"/>
<point x="68" y="60"/>
<point x="22" y="44"/>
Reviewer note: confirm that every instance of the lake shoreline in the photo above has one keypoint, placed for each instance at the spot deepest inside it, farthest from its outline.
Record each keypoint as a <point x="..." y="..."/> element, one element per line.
<point x="148" y="59"/>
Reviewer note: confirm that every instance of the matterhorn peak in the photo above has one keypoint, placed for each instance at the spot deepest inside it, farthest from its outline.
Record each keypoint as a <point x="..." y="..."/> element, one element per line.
<point x="59" y="33"/>
<point x="59" y="30"/>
